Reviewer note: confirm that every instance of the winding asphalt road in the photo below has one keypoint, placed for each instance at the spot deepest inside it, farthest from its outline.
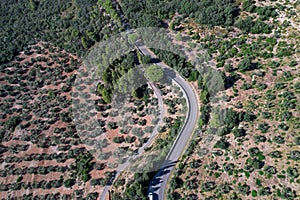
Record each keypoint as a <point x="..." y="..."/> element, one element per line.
<point x="158" y="189"/>
<point x="182" y="139"/>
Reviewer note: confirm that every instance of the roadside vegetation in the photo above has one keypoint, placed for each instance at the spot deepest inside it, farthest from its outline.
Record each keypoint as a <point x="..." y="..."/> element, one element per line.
<point x="254" y="152"/>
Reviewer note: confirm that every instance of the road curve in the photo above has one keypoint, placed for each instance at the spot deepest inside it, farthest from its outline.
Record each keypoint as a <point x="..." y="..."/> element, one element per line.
<point x="140" y="151"/>
<point x="186" y="131"/>
<point x="188" y="127"/>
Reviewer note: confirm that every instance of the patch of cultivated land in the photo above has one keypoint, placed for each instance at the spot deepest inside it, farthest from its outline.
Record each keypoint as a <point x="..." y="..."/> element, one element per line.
<point x="259" y="157"/>
<point x="42" y="153"/>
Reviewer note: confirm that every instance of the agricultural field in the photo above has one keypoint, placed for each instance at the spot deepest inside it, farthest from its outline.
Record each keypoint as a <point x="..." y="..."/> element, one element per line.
<point x="41" y="148"/>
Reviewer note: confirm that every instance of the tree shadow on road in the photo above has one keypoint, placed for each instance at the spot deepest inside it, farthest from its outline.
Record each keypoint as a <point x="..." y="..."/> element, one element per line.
<point x="166" y="168"/>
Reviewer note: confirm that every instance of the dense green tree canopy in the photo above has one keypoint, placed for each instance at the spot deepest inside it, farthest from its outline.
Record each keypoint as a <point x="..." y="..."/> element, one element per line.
<point x="154" y="73"/>
<point x="205" y="12"/>
<point x="71" y="25"/>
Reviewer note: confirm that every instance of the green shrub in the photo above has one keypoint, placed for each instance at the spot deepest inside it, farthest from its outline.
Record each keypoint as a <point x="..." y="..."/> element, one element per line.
<point x="293" y="63"/>
<point x="245" y="65"/>
<point x="222" y="144"/>
<point x="283" y="126"/>
<point x="254" y="193"/>
<point x="118" y="139"/>
<point x="69" y="183"/>
<point x="12" y="123"/>
<point x="264" y="127"/>
<point x="224" y="188"/>
<point x="264" y="191"/>
<point x="208" y="186"/>
<point x="244" y="189"/>
<point x="297" y="140"/>
<point x="275" y="154"/>
<point x="293" y="172"/>
<point x="294" y="155"/>
<point x="84" y="166"/>
<point x="248" y="5"/>
<point x="287" y="193"/>
<point x="256" y="163"/>
<point x="279" y="139"/>
<point x="256" y="27"/>
<point x="270" y="170"/>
